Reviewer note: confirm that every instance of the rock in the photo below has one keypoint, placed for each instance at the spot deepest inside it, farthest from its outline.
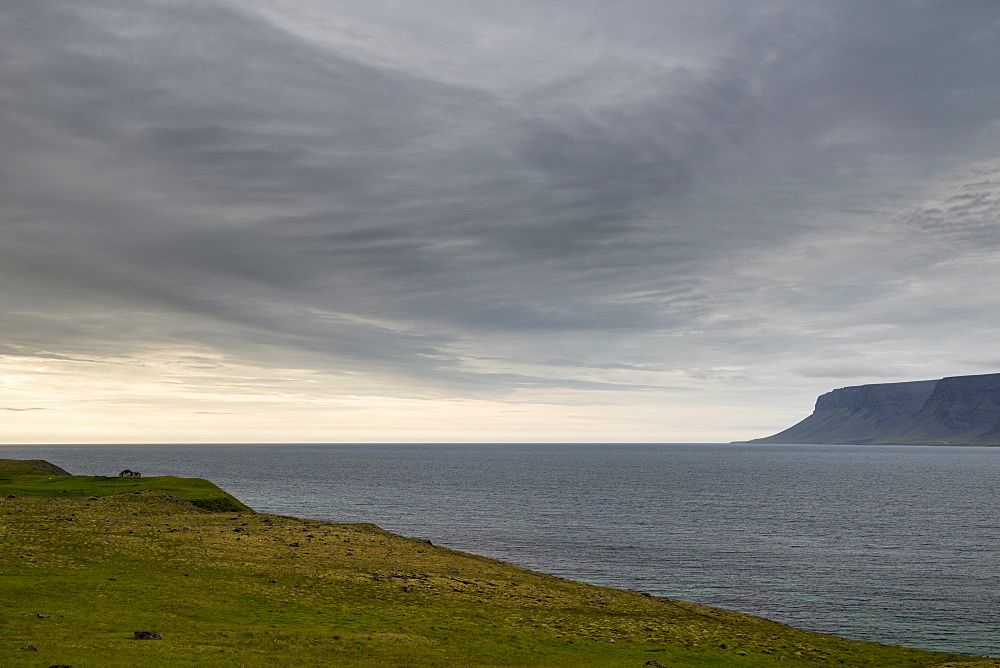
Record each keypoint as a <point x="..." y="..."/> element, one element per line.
<point x="147" y="635"/>
<point x="961" y="410"/>
<point x="30" y="648"/>
<point x="42" y="615"/>
<point x="407" y="589"/>
<point x="655" y="664"/>
<point x="60" y="665"/>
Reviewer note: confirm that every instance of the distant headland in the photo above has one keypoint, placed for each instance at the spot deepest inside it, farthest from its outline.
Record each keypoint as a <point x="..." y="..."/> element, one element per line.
<point x="960" y="410"/>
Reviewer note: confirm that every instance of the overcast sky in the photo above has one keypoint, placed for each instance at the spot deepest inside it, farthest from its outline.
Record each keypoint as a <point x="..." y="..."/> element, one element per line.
<point x="437" y="220"/>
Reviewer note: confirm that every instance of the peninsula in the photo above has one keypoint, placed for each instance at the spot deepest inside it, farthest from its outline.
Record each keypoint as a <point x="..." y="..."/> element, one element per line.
<point x="165" y="571"/>
<point x="960" y="410"/>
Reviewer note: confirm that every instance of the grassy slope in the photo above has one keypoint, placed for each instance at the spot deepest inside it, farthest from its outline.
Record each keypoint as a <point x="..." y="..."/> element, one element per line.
<point x="31" y="466"/>
<point x="248" y="589"/>
<point x="38" y="478"/>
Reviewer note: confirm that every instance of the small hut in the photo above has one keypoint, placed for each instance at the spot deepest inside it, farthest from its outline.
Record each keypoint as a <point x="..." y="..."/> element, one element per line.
<point x="129" y="474"/>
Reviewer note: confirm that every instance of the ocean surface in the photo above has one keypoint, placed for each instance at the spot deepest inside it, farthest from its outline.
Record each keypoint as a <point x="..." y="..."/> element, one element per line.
<point x="898" y="544"/>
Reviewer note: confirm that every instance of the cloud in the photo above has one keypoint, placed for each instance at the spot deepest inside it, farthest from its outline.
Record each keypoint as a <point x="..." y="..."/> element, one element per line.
<point x="852" y="371"/>
<point x="451" y="201"/>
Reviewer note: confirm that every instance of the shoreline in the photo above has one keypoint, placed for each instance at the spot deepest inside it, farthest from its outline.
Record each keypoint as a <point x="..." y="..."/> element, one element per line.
<point x="383" y="486"/>
<point x="131" y="558"/>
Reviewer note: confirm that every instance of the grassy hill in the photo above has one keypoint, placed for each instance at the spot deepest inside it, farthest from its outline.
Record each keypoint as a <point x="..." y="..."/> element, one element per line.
<point x="38" y="466"/>
<point x="38" y="478"/>
<point x="80" y="575"/>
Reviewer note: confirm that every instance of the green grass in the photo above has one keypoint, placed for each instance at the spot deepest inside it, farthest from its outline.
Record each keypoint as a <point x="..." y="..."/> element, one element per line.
<point x="28" y="466"/>
<point x="38" y="478"/>
<point x="250" y="589"/>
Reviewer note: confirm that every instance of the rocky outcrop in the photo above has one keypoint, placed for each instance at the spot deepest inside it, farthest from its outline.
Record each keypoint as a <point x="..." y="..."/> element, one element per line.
<point x="961" y="410"/>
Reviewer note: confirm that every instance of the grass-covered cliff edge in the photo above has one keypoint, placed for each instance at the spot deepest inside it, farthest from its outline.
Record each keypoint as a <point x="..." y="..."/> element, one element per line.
<point x="80" y="574"/>
<point x="39" y="478"/>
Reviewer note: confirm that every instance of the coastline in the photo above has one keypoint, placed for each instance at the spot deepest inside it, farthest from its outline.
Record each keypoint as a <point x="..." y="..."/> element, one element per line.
<point x="694" y="522"/>
<point x="284" y="590"/>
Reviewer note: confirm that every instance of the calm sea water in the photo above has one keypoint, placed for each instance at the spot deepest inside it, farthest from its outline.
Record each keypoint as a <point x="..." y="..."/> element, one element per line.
<point x="889" y="543"/>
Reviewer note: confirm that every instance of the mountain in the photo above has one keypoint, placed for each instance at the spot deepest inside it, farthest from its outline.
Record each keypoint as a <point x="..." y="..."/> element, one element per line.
<point x="961" y="410"/>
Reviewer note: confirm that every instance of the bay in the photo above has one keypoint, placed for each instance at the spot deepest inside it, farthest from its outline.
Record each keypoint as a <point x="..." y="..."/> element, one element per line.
<point x="898" y="544"/>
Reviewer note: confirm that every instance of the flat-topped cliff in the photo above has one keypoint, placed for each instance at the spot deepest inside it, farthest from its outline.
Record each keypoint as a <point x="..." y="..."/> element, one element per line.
<point x="960" y="410"/>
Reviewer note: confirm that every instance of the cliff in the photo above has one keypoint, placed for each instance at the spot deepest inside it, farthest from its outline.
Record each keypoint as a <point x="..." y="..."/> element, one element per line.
<point x="962" y="410"/>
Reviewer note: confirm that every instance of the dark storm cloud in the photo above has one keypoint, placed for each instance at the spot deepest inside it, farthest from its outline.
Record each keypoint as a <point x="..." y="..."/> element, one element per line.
<point x="193" y="172"/>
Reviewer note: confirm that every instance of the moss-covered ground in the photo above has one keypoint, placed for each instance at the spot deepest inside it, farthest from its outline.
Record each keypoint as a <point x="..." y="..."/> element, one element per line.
<point x="80" y="575"/>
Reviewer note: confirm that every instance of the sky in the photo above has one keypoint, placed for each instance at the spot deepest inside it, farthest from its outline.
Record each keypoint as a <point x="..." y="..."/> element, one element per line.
<point x="444" y="221"/>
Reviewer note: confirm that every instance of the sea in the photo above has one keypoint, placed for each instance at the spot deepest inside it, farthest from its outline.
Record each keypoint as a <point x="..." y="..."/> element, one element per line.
<point x="896" y="544"/>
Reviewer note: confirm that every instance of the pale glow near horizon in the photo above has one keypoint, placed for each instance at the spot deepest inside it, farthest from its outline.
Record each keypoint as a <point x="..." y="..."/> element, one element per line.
<point x="132" y="403"/>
